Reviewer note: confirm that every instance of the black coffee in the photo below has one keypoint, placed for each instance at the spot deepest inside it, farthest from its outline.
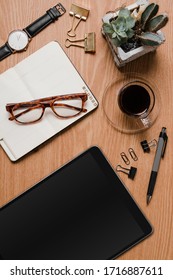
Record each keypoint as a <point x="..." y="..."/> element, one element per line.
<point x="134" y="100"/>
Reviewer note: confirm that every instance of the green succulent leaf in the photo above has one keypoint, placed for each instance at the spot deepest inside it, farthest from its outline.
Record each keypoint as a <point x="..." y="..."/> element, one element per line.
<point x="114" y="35"/>
<point x="130" y="33"/>
<point x="124" y="12"/>
<point x="150" y="11"/>
<point x="157" y="23"/>
<point x="119" y="24"/>
<point x="150" y="39"/>
<point x="107" y="28"/>
<point x="118" y="37"/>
<point x="130" y="22"/>
<point x="122" y="34"/>
<point x="116" y="42"/>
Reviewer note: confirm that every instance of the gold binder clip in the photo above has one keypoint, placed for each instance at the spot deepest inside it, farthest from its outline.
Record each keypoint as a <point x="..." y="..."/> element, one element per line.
<point x="80" y="14"/>
<point x="131" y="172"/>
<point x="89" y="43"/>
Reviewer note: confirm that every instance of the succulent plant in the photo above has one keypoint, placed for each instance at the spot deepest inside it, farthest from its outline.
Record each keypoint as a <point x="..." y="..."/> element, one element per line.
<point x="129" y="25"/>
<point x="121" y="28"/>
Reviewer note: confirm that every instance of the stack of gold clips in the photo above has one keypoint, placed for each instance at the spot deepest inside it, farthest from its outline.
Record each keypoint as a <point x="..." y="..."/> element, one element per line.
<point x="79" y="14"/>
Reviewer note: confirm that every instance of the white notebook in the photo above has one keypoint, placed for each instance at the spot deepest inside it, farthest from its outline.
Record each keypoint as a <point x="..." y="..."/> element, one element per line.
<point x="47" y="72"/>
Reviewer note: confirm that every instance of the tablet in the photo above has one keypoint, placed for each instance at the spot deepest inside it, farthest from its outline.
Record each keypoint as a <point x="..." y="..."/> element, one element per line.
<point x="82" y="211"/>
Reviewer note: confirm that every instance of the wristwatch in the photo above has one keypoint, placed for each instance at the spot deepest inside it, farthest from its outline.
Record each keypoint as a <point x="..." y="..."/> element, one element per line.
<point x="18" y="40"/>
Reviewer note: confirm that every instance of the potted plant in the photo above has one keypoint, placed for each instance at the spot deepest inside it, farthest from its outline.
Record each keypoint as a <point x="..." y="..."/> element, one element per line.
<point x="134" y="31"/>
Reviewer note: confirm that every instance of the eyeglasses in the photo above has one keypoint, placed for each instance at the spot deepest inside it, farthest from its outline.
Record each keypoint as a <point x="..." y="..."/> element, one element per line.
<point x="64" y="106"/>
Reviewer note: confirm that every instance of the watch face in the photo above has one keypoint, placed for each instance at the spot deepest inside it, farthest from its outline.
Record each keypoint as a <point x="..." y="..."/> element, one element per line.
<point x="18" y="40"/>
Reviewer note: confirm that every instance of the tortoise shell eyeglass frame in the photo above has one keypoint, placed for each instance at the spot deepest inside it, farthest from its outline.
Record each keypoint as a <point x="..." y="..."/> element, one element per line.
<point x="43" y="103"/>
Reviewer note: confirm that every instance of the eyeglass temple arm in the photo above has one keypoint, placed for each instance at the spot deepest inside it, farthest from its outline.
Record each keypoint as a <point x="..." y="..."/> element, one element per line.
<point x="11" y="105"/>
<point x="71" y="107"/>
<point x="64" y="97"/>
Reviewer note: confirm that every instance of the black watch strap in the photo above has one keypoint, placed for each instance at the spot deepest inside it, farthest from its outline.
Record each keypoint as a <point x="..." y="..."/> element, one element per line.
<point x="5" y="51"/>
<point x="42" y="22"/>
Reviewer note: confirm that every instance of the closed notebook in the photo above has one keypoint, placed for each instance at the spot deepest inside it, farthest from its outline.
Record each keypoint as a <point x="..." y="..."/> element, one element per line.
<point x="47" y="72"/>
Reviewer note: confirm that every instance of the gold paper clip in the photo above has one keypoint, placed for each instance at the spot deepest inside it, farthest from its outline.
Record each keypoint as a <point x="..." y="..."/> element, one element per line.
<point x="125" y="158"/>
<point x="133" y="154"/>
<point x="80" y="14"/>
<point x="89" y="43"/>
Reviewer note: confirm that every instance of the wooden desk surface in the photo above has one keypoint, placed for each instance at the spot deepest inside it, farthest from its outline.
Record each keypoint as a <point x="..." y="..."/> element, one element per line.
<point x="98" y="70"/>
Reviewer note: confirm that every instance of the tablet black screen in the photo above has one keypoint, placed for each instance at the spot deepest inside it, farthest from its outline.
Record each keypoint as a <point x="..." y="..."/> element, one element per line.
<point x="81" y="211"/>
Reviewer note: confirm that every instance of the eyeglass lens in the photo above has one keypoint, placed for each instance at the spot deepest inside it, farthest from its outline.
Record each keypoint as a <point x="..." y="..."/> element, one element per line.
<point x="67" y="108"/>
<point x="25" y="114"/>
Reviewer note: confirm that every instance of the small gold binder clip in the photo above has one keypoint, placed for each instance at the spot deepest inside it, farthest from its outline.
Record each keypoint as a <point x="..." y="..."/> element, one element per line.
<point x="77" y="13"/>
<point x="89" y="43"/>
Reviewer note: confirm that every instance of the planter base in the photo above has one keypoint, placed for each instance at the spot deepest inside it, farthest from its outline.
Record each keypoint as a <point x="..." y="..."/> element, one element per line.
<point x="121" y="58"/>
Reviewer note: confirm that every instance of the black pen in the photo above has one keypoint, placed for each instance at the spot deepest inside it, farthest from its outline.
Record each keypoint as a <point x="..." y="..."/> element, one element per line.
<point x="161" y="146"/>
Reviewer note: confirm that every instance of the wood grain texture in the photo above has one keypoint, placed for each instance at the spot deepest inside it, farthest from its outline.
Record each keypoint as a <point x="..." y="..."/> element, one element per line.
<point x="98" y="70"/>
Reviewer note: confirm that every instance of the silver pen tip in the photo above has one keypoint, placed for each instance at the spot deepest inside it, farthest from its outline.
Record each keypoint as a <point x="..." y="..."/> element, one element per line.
<point x="148" y="199"/>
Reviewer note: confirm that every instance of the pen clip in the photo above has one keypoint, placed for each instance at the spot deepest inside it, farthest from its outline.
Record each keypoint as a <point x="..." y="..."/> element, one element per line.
<point x="165" y="138"/>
